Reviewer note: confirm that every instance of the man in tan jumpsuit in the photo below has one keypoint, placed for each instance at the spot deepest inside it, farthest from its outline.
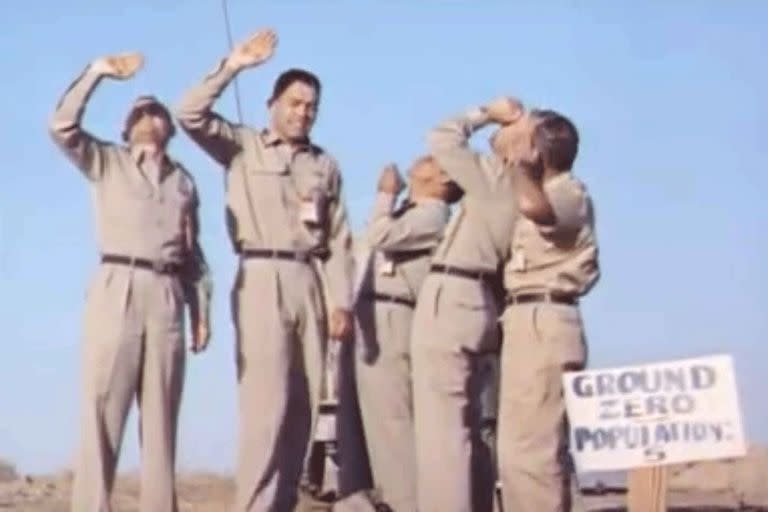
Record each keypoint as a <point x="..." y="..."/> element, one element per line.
<point x="287" y="221"/>
<point x="456" y="315"/>
<point x="146" y="215"/>
<point x="402" y="241"/>
<point x="553" y="263"/>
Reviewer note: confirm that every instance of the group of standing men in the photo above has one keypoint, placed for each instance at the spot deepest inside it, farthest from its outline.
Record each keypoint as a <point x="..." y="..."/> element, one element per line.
<point x="430" y="295"/>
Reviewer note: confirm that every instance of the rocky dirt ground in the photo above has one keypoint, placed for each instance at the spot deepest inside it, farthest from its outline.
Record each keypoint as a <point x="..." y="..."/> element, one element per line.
<point x="212" y="493"/>
<point x="705" y="487"/>
<point x="197" y="493"/>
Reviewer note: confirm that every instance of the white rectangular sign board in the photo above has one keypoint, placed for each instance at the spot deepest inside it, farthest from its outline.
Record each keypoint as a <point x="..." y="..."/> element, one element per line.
<point x="654" y="414"/>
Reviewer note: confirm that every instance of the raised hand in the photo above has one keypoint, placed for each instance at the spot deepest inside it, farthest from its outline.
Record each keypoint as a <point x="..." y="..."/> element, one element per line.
<point x="121" y="66"/>
<point x="390" y="181"/>
<point x="253" y="51"/>
<point x="504" y="110"/>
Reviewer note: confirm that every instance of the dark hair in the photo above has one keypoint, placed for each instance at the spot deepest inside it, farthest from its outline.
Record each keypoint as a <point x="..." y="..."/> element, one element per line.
<point x="453" y="192"/>
<point x="151" y="105"/>
<point x="287" y="78"/>
<point x="556" y="138"/>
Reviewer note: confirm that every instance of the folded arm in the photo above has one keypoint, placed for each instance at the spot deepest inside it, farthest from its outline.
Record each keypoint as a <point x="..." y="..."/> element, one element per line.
<point x="418" y="228"/>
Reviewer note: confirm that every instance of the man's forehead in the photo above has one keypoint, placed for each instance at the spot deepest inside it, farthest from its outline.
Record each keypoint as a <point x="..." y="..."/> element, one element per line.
<point x="300" y="91"/>
<point x="426" y="167"/>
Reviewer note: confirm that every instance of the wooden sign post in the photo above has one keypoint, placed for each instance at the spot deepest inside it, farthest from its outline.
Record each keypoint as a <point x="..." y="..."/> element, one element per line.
<point x="647" y="489"/>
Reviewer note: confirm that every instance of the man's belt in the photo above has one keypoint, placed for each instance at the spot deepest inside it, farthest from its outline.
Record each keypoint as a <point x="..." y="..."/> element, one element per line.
<point x="284" y="254"/>
<point x="405" y="256"/>
<point x="526" y="298"/>
<point x="383" y="297"/>
<point x="160" y="267"/>
<point x="477" y="275"/>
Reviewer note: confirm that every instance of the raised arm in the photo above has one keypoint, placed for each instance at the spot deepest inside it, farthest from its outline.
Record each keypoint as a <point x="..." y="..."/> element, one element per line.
<point x="417" y="228"/>
<point x="410" y="229"/>
<point x="86" y="151"/>
<point x="212" y="132"/>
<point x="449" y="143"/>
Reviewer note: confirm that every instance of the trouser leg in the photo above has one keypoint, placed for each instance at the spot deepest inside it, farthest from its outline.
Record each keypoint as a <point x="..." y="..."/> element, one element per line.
<point x="541" y="341"/>
<point x="112" y="346"/>
<point x="386" y="401"/>
<point x="160" y="395"/>
<point x="445" y="341"/>
<point x="280" y="327"/>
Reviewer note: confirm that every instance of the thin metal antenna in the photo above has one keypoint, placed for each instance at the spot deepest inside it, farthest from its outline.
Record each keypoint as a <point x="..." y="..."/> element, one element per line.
<point x="231" y="46"/>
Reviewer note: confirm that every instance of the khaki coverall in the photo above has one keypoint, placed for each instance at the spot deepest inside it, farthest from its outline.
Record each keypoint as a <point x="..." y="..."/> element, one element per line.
<point x="133" y="344"/>
<point x="402" y="242"/>
<point x="549" y="269"/>
<point x="455" y="322"/>
<point x="278" y="304"/>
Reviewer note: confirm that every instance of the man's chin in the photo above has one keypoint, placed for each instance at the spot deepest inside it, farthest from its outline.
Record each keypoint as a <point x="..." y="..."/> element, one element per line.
<point x="298" y="134"/>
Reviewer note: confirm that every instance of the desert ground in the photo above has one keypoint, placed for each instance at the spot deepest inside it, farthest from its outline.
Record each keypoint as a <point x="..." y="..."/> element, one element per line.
<point x="739" y="484"/>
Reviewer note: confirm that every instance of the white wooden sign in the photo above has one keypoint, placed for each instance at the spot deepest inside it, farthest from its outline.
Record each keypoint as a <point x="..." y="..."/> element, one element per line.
<point x="649" y="415"/>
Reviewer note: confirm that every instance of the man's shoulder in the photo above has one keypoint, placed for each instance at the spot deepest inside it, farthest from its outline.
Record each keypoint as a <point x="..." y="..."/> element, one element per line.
<point x="186" y="179"/>
<point x="323" y="155"/>
<point x="432" y="208"/>
<point x="568" y="182"/>
<point x="327" y="164"/>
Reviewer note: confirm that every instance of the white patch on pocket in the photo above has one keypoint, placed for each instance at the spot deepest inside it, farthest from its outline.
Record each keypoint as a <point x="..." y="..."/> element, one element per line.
<point x="517" y="262"/>
<point x="386" y="268"/>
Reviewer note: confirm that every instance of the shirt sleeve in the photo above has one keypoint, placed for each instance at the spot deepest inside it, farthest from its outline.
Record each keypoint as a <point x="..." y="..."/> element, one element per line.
<point x="196" y="275"/>
<point x="340" y="264"/>
<point x="88" y="153"/>
<point x="571" y="205"/>
<point x="216" y="135"/>
<point x="449" y="145"/>
<point x="420" y="227"/>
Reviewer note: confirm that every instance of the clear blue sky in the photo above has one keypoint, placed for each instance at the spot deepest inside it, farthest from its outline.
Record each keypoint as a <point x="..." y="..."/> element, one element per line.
<point x="669" y="98"/>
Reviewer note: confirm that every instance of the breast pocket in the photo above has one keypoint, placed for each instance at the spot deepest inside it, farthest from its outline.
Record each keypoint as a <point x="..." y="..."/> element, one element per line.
<point x="126" y="207"/>
<point x="524" y="241"/>
<point x="263" y="181"/>
<point x="313" y="193"/>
